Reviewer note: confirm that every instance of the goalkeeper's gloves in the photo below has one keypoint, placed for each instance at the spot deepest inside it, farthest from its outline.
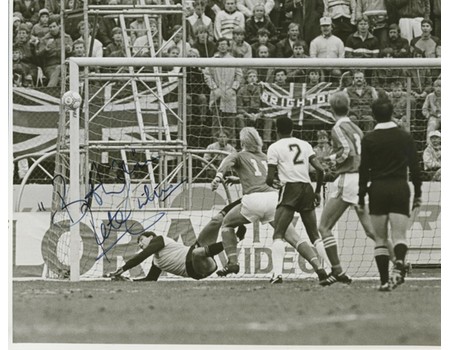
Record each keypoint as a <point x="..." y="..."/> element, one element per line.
<point x="117" y="275"/>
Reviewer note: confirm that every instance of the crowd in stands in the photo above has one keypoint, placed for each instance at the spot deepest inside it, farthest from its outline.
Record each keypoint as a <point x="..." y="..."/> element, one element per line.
<point x="228" y="98"/>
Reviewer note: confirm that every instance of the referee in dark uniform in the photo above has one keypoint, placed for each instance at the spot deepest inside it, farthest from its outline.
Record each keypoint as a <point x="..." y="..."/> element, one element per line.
<point x="386" y="154"/>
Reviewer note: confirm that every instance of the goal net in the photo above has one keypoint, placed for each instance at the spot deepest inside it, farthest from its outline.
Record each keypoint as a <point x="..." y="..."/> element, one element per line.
<point x="140" y="152"/>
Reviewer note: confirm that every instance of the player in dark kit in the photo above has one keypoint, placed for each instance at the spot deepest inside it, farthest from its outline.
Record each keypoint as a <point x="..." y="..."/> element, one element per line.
<point x="386" y="154"/>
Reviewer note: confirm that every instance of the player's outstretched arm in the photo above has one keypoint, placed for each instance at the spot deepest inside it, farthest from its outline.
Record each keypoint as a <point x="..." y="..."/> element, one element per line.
<point x="152" y="275"/>
<point x="155" y="245"/>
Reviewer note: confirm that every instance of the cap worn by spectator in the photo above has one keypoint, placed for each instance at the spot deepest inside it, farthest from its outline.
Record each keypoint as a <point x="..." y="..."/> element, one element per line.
<point x="394" y="26"/>
<point x="434" y="133"/>
<point x="16" y="19"/>
<point x="43" y="12"/>
<point x="116" y="30"/>
<point x="326" y="21"/>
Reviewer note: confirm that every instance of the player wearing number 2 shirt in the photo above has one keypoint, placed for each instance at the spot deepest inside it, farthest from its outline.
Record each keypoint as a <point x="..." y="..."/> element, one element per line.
<point x="258" y="202"/>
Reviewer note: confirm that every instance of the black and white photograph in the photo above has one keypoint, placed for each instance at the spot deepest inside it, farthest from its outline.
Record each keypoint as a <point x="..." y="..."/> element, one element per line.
<point x="224" y="174"/>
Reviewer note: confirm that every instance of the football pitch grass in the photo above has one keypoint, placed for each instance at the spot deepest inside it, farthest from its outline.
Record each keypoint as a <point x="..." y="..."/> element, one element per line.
<point x="227" y="312"/>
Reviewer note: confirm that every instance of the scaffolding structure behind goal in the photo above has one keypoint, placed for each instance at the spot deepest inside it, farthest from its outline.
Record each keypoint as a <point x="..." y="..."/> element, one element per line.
<point x="122" y="183"/>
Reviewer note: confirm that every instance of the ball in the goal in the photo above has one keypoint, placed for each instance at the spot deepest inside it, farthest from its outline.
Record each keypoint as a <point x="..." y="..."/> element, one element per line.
<point x="71" y="100"/>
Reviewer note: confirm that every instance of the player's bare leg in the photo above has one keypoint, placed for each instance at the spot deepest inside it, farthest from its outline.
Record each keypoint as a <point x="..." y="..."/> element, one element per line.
<point x="332" y="211"/>
<point x="380" y="225"/>
<point x="233" y="219"/>
<point x="309" y="220"/>
<point x="305" y="250"/>
<point x="366" y="223"/>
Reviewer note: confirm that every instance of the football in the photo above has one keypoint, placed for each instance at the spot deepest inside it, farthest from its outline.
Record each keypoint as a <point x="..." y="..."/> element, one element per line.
<point x="71" y="100"/>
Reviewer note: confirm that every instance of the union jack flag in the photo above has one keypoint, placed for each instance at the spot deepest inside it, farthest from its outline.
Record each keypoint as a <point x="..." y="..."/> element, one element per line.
<point x="299" y="103"/>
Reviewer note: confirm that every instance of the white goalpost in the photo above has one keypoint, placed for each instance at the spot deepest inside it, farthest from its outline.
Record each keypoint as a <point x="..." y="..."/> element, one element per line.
<point x="146" y="174"/>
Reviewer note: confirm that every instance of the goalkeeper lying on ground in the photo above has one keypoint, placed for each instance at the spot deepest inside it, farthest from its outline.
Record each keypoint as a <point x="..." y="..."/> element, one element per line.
<point x="173" y="257"/>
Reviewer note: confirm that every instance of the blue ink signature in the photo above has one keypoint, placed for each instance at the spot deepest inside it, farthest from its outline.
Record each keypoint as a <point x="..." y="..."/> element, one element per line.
<point x="114" y="220"/>
<point x="161" y="193"/>
<point x="117" y="220"/>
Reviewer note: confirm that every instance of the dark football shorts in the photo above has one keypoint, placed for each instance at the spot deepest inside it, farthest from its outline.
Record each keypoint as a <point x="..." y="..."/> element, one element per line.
<point x="389" y="196"/>
<point x="297" y="195"/>
<point x="201" y="267"/>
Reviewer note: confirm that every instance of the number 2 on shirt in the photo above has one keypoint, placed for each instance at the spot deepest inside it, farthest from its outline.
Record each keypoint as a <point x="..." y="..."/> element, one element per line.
<point x="298" y="152"/>
<point x="255" y="165"/>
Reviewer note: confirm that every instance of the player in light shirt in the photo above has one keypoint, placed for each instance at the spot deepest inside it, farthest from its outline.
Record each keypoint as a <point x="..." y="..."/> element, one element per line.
<point x="258" y="204"/>
<point x="289" y="159"/>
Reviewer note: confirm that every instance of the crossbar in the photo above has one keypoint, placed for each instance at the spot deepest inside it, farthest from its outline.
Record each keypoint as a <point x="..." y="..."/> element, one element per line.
<point x="261" y="62"/>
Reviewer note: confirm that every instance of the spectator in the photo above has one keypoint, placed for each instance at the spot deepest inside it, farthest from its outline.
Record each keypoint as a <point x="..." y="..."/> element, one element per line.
<point x="49" y="51"/>
<point x="264" y="74"/>
<point x="306" y="13"/>
<point x="431" y="108"/>
<point x="257" y="22"/>
<point x="268" y="132"/>
<point x="196" y="98"/>
<point x="432" y="156"/>
<point x="426" y="42"/>
<point x="222" y="144"/>
<point x="421" y="78"/>
<point x="16" y="21"/>
<point x="141" y="46"/>
<point x="116" y="48"/>
<point x="362" y="44"/>
<point x="105" y="26"/>
<point x="203" y="43"/>
<point x="199" y="19"/>
<point x="399" y="99"/>
<point x="97" y="47"/>
<point x="342" y="13"/>
<point x="239" y="47"/>
<point x="384" y="77"/>
<point x="137" y="29"/>
<point x="247" y="7"/>
<point x="78" y="48"/>
<point x="436" y="16"/>
<point x="263" y="39"/>
<point x="27" y="46"/>
<point x="361" y="97"/>
<point x="398" y="45"/>
<point x="41" y="28"/>
<point x="279" y="18"/>
<point x="177" y="40"/>
<point x="327" y="45"/>
<point x="213" y="7"/>
<point x="227" y="19"/>
<point x="376" y="12"/>
<point x="324" y="149"/>
<point x="284" y="47"/>
<point x="411" y="13"/>
<point x="29" y="10"/>
<point x="223" y="82"/>
<point x="21" y="72"/>
<point x="249" y="101"/>
<point x="297" y="74"/>
<point x="313" y="78"/>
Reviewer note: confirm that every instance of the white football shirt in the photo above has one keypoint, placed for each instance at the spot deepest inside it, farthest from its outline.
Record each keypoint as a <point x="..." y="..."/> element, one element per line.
<point x="291" y="156"/>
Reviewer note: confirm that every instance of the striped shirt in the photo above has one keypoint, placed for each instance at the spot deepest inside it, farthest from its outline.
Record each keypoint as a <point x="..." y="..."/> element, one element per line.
<point x="359" y="47"/>
<point x="340" y="8"/>
<point x="251" y="169"/>
<point x="225" y="23"/>
<point x="291" y="156"/>
<point x="346" y="138"/>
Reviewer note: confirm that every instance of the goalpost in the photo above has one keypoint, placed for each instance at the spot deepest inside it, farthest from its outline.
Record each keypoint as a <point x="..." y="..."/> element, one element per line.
<point x="128" y="175"/>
